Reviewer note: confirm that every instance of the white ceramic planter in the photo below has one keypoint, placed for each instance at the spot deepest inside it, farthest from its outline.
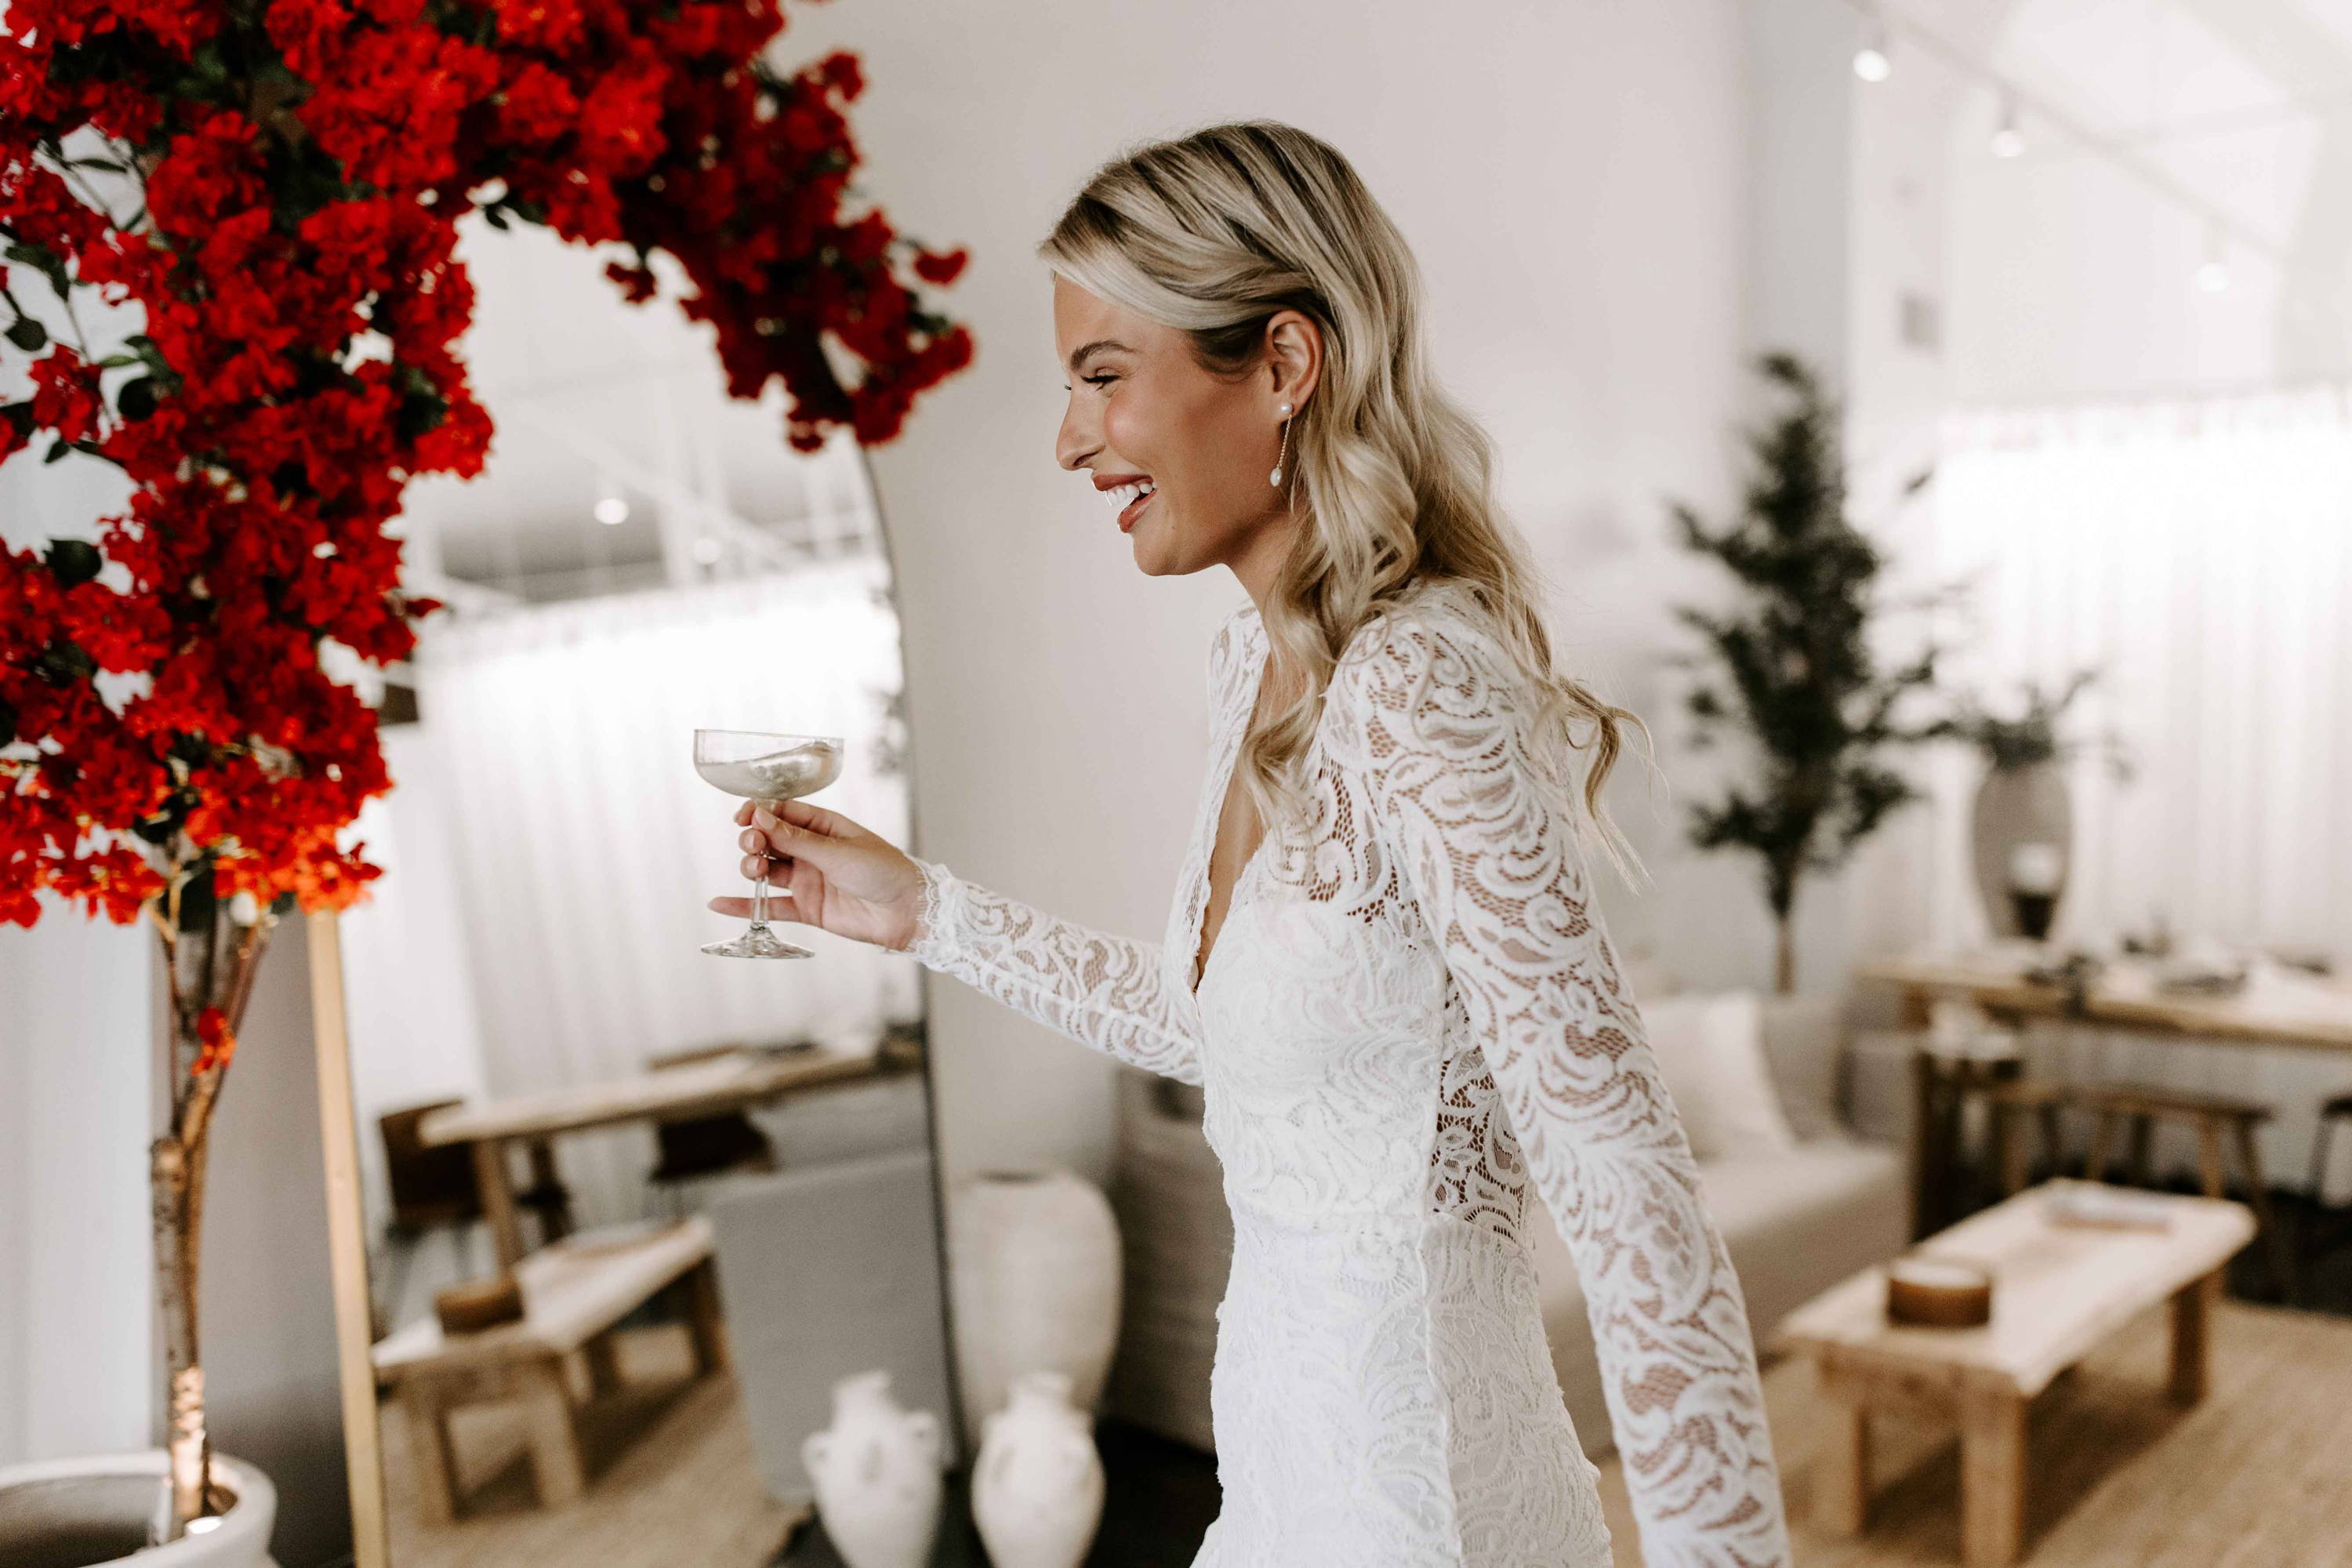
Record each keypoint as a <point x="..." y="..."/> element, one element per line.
<point x="1037" y="1491"/>
<point x="876" y="1474"/>
<point x="1033" y="1271"/>
<point x="78" y="1513"/>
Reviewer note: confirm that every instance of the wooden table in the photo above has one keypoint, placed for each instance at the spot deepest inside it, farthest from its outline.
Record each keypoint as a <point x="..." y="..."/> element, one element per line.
<point x="731" y="1081"/>
<point x="2279" y="1008"/>
<point x="2058" y="1290"/>
<point x="573" y="1293"/>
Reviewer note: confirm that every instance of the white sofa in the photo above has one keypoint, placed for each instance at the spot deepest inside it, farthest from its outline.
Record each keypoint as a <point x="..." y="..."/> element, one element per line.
<point x="1795" y="1223"/>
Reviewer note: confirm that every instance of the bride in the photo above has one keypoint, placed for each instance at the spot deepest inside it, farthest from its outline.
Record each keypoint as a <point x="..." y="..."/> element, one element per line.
<point x="1382" y="963"/>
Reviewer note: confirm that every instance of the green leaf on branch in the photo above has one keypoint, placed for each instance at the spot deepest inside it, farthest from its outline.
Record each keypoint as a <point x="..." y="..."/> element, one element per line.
<point x="7" y="724"/>
<point x="20" y="414"/>
<point x="62" y="663"/>
<point x="47" y="262"/>
<point x="28" y="334"/>
<point x="283" y="904"/>
<point x="57" y="452"/>
<point x="73" y="561"/>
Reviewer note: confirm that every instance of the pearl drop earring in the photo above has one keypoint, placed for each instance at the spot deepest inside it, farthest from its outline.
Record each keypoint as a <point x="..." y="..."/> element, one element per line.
<point x="1274" y="478"/>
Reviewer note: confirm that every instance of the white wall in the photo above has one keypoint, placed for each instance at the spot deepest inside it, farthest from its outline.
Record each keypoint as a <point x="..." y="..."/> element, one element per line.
<point x="1571" y="176"/>
<point x="75" y="1266"/>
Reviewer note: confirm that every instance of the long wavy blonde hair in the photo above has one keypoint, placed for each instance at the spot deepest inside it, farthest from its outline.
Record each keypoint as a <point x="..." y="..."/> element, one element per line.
<point x="1212" y="234"/>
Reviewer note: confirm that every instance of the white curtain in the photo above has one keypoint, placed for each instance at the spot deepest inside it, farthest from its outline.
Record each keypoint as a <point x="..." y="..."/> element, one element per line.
<point x="558" y="742"/>
<point x="2200" y="557"/>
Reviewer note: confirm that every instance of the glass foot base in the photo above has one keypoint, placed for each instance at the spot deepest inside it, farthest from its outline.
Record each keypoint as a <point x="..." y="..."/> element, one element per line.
<point x="757" y="943"/>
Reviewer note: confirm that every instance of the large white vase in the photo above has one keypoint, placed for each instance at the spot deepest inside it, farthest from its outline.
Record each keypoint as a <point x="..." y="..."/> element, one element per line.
<point x="1034" y="1277"/>
<point x="78" y="1513"/>
<point x="1037" y="1491"/>
<point x="877" y="1474"/>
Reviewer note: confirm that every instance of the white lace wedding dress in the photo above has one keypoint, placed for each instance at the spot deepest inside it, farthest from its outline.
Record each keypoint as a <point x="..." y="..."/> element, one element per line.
<point x="1401" y="1025"/>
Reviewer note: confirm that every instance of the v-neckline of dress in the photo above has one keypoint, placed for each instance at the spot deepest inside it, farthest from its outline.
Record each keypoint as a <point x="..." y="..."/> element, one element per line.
<point x="1206" y="848"/>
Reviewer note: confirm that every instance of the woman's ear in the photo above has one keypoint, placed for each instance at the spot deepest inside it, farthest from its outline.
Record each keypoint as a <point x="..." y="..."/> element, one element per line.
<point x="1294" y="357"/>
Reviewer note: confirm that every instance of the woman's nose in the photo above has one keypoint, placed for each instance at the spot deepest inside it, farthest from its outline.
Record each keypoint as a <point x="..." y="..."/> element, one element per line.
<point x="1077" y="439"/>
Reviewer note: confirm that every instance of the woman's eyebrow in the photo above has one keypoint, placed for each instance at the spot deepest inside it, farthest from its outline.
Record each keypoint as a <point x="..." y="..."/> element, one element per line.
<point x="1080" y="356"/>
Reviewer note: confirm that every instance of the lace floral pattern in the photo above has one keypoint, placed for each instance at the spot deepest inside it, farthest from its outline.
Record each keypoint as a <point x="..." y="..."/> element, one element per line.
<point x="1408" y="1016"/>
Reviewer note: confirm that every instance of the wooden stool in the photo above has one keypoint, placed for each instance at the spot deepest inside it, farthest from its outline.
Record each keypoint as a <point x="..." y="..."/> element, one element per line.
<point x="2339" y="1108"/>
<point x="2013" y="1103"/>
<point x="1942" y="1085"/>
<point x="2220" y="1123"/>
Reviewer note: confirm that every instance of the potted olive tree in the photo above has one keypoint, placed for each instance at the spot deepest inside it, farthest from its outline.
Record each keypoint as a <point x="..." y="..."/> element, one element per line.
<point x="1787" y="678"/>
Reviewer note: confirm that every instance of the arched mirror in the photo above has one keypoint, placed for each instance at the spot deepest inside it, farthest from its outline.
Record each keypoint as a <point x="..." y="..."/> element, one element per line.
<point x="706" y="1186"/>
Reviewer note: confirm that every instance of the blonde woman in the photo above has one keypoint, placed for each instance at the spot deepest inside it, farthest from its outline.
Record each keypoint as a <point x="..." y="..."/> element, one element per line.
<point x="1382" y="963"/>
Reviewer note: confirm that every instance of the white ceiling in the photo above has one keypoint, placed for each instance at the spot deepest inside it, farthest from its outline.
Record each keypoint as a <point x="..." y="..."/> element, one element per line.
<point x="591" y="395"/>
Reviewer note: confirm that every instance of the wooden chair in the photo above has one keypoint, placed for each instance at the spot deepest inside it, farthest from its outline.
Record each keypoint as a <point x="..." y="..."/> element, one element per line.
<point x="2224" y="1124"/>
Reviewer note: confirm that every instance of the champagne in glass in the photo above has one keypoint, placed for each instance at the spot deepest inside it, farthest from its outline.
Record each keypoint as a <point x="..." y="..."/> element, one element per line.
<point x="760" y="766"/>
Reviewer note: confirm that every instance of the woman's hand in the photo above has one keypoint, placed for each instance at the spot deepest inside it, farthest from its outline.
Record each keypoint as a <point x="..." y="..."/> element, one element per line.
<point x="826" y="871"/>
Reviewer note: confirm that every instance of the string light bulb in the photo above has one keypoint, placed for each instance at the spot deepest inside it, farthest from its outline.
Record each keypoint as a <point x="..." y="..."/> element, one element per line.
<point x="2008" y="141"/>
<point x="1872" y="62"/>
<point x="612" y="507"/>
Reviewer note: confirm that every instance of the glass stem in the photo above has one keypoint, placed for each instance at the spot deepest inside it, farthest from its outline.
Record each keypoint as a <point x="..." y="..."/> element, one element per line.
<point x="760" y="903"/>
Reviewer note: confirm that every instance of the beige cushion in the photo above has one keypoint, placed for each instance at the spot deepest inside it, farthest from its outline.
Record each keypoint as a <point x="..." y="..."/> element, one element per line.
<point x="1710" y="1051"/>
<point x="1803" y="1041"/>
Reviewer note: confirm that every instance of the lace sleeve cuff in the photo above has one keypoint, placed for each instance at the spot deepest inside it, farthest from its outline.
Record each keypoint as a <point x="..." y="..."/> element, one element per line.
<point x="935" y="921"/>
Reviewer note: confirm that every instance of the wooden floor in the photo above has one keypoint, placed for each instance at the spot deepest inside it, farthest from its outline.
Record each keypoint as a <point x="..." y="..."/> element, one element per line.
<point x="2258" y="1476"/>
<point x="671" y="1480"/>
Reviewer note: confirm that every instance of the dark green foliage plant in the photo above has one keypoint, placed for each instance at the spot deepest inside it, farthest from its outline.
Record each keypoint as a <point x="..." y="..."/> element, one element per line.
<point x="1787" y="670"/>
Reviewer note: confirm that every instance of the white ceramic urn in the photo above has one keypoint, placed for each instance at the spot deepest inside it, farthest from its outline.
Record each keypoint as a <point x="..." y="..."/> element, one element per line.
<point x="1034" y="1273"/>
<point x="86" y="1512"/>
<point x="1037" y="1491"/>
<point x="877" y="1474"/>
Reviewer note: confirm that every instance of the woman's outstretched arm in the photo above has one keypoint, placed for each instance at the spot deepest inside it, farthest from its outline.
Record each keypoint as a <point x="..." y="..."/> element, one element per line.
<point x="1108" y="992"/>
<point x="1103" y="991"/>
<point x="1492" y="859"/>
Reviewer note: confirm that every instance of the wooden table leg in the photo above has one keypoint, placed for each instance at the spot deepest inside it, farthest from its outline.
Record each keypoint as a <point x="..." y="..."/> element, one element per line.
<point x="431" y="1463"/>
<point x="496" y="1183"/>
<point x="555" y="1219"/>
<point x="1992" y="1476"/>
<point x="704" y="1319"/>
<point x="603" y="1363"/>
<point x="1842" y="1469"/>
<point x="2193" y="1314"/>
<point x="554" y="1439"/>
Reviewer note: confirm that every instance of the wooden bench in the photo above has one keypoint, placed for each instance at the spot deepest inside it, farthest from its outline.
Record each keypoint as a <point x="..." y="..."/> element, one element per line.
<point x="573" y="1293"/>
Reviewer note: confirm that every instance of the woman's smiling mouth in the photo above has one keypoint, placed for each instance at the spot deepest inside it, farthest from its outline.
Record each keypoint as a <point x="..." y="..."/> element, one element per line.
<point x="1129" y="500"/>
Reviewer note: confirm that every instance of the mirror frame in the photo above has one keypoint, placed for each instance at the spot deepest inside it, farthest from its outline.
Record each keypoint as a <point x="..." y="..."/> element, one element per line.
<point x="346" y="1213"/>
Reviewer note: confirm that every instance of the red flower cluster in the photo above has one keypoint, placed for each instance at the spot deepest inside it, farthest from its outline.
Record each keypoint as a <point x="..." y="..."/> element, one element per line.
<point x="276" y="188"/>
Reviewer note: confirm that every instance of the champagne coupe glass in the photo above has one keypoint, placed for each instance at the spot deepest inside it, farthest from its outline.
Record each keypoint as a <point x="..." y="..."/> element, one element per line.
<point x="759" y="765"/>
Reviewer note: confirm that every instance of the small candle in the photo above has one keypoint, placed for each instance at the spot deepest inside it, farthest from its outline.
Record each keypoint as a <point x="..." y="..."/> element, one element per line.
<point x="2035" y="868"/>
<point x="1938" y="1292"/>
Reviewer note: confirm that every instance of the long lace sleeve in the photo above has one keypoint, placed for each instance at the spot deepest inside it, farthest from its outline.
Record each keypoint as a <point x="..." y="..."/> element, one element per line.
<point x="1102" y="991"/>
<point x="1495" y="867"/>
